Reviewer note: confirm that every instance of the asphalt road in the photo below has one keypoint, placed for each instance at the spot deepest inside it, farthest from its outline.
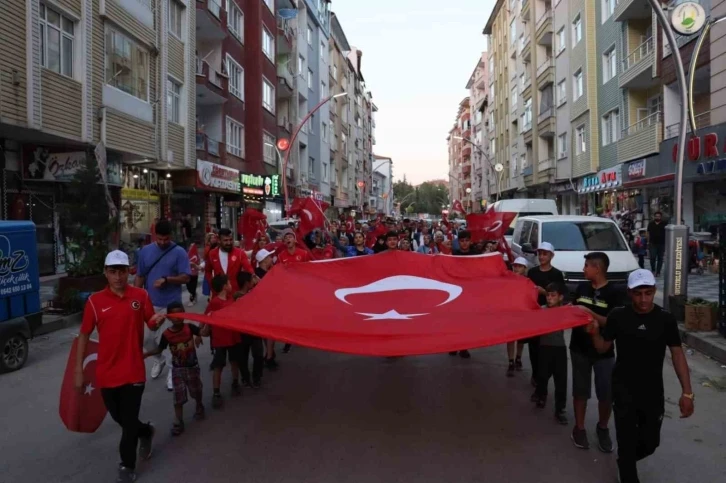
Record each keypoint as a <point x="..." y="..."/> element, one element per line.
<point x="335" y="418"/>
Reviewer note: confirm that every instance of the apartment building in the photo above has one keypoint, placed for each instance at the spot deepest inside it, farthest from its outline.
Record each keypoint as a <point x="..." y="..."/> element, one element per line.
<point x="99" y="79"/>
<point x="460" y="164"/>
<point x="361" y="131"/>
<point x="478" y="86"/>
<point x="383" y="166"/>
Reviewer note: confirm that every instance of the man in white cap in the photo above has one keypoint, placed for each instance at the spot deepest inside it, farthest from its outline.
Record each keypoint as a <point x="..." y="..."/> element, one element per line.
<point x="119" y="313"/>
<point x="519" y="267"/>
<point x="542" y="275"/>
<point x="641" y="331"/>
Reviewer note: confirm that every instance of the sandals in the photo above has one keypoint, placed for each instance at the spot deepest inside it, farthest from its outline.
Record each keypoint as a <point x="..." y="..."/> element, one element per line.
<point x="177" y="428"/>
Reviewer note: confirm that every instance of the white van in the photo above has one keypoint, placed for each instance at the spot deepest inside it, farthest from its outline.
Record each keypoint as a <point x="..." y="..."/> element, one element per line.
<point x="573" y="237"/>
<point x="524" y="207"/>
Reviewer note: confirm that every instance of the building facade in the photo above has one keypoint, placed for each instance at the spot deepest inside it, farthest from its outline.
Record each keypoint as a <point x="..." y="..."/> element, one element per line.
<point x="460" y="150"/>
<point x="482" y="170"/>
<point x="383" y="196"/>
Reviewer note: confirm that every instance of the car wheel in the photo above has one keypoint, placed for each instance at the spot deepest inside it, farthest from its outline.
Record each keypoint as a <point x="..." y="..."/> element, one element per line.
<point x="13" y="353"/>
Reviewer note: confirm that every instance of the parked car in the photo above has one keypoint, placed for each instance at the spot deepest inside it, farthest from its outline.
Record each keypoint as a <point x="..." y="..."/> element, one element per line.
<point x="573" y="237"/>
<point x="524" y="207"/>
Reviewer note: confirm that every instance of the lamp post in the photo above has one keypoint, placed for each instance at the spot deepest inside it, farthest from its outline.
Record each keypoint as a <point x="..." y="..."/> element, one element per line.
<point x="292" y="142"/>
<point x="498" y="167"/>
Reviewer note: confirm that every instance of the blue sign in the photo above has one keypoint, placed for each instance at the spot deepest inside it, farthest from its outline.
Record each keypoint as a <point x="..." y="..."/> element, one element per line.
<point x="19" y="282"/>
<point x="710" y="167"/>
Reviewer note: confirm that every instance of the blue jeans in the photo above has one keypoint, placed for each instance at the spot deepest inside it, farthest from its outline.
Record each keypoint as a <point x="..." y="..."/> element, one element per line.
<point x="656" y="258"/>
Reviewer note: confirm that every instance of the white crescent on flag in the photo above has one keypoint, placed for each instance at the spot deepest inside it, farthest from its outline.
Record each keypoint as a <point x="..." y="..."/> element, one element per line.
<point x="401" y="282"/>
<point x="89" y="358"/>
<point x="307" y="212"/>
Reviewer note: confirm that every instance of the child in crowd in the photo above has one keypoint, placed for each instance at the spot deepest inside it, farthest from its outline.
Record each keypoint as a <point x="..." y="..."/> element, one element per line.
<point x="519" y="266"/>
<point x="641" y="247"/>
<point x="227" y="344"/>
<point x="250" y="343"/>
<point x="182" y="339"/>
<point x="553" y="359"/>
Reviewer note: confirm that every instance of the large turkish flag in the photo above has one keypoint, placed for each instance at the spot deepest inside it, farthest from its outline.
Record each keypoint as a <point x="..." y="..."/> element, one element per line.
<point x="394" y="303"/>
<point x="82" y="412"/>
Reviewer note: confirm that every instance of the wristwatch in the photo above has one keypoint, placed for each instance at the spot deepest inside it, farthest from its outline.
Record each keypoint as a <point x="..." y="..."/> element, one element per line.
<point x="690" y="396"/>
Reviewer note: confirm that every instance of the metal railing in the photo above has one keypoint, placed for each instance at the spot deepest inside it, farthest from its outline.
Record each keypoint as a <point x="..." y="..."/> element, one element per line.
<point x="639" y="53"/>
<point x="214" y="7"/>
<point x="200" y="66"/>
<point x="702" y="120"/>
<point x="651" y="120"/>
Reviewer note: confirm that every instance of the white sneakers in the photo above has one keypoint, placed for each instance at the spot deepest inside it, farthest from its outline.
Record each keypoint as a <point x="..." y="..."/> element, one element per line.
<point x="169" y="385"/>
<point x="158" y="366"/>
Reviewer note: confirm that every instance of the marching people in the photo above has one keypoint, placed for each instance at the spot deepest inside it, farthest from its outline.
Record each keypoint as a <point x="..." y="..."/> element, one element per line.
<point x="465" y="249"/>
<point x="264" y="259"/>
<point x="519" y="267"/>
<point x="427" y="247"/>
<point x="163" y="267"/>
<point x="250" y="343"/>
<point x="542" y="275"/>
<point x="391" y="241"/>
<point x="641" y="330"/>
<point x="359" y="246"/>
<point x="210" y="243"/>
<point x="182" y="339"/>
<point x="291" y="254"/>
<point x="227" y="259"/>
<point x="195" y="265"/>
<point x="120" y="313"/>
<point x="598" y="298"/>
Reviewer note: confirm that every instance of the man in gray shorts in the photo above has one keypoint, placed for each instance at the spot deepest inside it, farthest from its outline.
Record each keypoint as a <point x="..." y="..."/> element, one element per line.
<point x="597" y="297"/>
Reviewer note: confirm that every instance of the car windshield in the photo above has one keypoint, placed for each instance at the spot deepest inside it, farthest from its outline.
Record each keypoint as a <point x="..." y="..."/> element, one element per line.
<point x="583" y="236"/>
<point x="510" y="230"/>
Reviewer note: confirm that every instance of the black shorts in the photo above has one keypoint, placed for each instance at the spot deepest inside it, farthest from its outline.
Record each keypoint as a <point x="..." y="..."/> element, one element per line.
<point x="221" y="354"/>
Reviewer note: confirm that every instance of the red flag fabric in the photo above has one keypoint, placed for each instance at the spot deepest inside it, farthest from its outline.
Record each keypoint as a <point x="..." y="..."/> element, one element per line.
<point x="323" y="253"/>
<point x="445" y="220"/>
<point x="490" y="225"/>
<point x="193" y="254"/>
<point x="82" y="412"/>
<point x="349" y="225"/>
<point x="457" y="206"/>
<point x="395" y="303"/>
<point x="252" y="226"/>
<point x="311" y="216"/>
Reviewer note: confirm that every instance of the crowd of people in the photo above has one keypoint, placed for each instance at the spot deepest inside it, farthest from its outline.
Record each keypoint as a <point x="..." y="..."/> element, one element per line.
<point x="125" y="315"/>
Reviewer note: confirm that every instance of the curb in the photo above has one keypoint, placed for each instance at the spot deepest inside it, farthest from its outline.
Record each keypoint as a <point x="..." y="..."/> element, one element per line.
<point x="58" y="324"/>
<point x="701" y="341"/>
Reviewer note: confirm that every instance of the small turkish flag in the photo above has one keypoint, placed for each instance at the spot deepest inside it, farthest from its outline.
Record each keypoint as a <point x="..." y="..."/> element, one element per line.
<point x="84" y="411"/>
<point x="349" y="225"/>
<point x="457" y="206"/>
<point x="491" y="225"/>
<point x="311" y="215"/>
<point x="252" y="226"/>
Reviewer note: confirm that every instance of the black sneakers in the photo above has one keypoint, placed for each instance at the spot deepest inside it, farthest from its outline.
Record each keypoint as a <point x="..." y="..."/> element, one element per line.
<point x="579" y="438"/>
<point x="453" y="353"/>
<point x="518" y="364"/>
<point x="464" y="354"/>
<point x="510" y="369"/>
<point x="561" y="418"/>
<point x="145" y="444"/>
<point x="604" y="442"/>
<point x="125" y="475"/>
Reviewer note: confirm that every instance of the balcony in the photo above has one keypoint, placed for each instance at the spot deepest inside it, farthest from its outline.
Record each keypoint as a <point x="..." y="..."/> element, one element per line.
<point x="207" y="145"/>
<point x="212" y="85"/>
<point x="211" y="20"/>
<point x="544" y="29"/>
<point x="546" y="74"/>
<point x="466" y="151"/>
<point x="546" y="125"/>
<point x="526" y="12"/>
<point x="527" y="49"/>
<point x="284" y="124"/>
<point x="285" y="80"/>
<point x="630" y="9"/>
<point x="527" y="86"/>
<point x="702" y="120"/>
<point x="545" y="164"/>
<point x="642" y="138"/>
<point x="285" y="37"/>
<point x="637" y="67"/>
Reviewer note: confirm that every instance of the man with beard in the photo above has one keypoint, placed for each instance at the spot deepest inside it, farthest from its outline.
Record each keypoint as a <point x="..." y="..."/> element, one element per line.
<point x="359" y="246"/>
<point x="227" y="260"/>
<point x="163" y="268"/>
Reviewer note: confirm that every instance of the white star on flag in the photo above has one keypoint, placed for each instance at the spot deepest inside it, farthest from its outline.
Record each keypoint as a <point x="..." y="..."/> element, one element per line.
<point x="89" y="389"/>
<point x="390" y="315"/>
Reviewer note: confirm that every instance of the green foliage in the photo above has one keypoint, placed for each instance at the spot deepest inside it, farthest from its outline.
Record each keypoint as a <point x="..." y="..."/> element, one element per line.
<point x="71" y="301"/>
<point x="85" y="222"/>
<point x="424" y="198"/>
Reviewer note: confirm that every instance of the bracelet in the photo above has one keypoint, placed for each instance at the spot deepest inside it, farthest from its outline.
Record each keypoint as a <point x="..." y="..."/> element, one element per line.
<point x="690" y="396"/>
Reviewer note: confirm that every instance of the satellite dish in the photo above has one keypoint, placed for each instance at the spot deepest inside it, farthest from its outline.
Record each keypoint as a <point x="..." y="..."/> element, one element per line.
<point x="498" y="167"/>
<point x="287" y="13"/>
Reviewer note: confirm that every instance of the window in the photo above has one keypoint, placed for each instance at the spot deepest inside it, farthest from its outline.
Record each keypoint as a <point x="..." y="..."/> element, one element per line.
<point x="584" y="236"/>
<point x="235" y="138"/>
<point x="493" y="146"/>
<point x="268" y="148"/>
<point x="513" y="31"/>
<point x="561" y="92"/>
<point x="127" y="65"/>
<point x="322" y="51"/>
<point x="608" y="8"/>
<point x="310" y="35"/>
<point x="236" y="78"/>
<point x="324" y="133"/>
<point x="562" y="145"/>
<point x="576" y="31"/>
<point x="310" y="79"/>
<point x="325" y="172"/>
<point x="515" y="98"/>
<point x="580" y="145"/>
<point x="611" y="127"/>
<point x="609" y="65"/>
<point x="268" y="95"/>
<point x="173" y="101"/>
<point x="56" y="41"/>
<point x="577" y="85"/>
<point x="323" y="90"/>
<point x="335" y="71"/>
<point x="311" y="167"/>
<point x="561" y="40"/>
<point x="270" y="4"/>
<point x="235" y="20"/>
<point x="491" y="65"/>
<point x="300" y="64"/>
<point x="176" y="10"/>
<point x="268" y="44"/>
<point x="527" y="114"/>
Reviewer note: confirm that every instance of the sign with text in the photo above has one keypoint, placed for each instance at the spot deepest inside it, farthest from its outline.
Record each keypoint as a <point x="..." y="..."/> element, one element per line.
<point x="268" y="186"/>
<point x="603" y="180"/>
<point x="218" y="177"/>
<point x="705" y="152"/>
<point x="636" y="169"/>
<point x="48" y="164"/>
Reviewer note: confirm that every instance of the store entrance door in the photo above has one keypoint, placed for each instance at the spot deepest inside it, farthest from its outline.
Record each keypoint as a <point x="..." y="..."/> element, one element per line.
<point x="41" y="212"/>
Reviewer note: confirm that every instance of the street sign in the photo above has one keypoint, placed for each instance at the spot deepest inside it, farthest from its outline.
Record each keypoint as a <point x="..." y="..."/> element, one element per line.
<point x="688" y="18"/>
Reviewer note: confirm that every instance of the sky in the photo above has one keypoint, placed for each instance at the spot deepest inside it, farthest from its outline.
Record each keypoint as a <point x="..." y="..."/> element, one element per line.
<point x="418" y="56"/>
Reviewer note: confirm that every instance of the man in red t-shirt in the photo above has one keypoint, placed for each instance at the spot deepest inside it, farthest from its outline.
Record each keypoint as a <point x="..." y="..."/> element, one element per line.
<point x="119" y="313"/>
<point x="292" y="253"/>
<point x="227" y="260"/>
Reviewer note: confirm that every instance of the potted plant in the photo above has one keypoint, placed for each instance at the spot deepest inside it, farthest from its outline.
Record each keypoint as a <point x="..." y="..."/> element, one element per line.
<point x="87" y="228"/>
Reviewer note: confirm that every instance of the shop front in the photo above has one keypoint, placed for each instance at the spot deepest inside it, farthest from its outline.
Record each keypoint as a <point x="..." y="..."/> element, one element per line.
<point x="565" y="197"/>
<point x="141" y="205"/>
<point x="263" y="193"/>
<point x="224" y="196"/>
<point x="600" y="193"/>
<point x="648" y="184"/>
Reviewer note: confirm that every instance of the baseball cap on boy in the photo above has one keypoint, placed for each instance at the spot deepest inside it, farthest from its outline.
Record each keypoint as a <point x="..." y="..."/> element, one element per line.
<point x="547" y="247"/>
<point x="262" y="254"/>
<point x="117" y="258"/>
<point x="521" y="261"/>
<point x="641" y="278"/>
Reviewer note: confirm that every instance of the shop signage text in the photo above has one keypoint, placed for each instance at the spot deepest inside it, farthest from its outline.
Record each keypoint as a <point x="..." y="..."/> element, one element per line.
<point x="603" y="180"/>
<point x="261" y="185"/>
<point x="705" y="147"/>
<point x="43" y="165"/>
<point x="216" y="176"/>
<point x="134" y="194"/>
<point x="14" y="269"/>
<point x="637" y="169"/>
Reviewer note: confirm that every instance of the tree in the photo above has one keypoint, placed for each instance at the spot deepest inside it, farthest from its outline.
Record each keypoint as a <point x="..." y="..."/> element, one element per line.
<point x="403" y="193"/>
<point x="431" y="197"/>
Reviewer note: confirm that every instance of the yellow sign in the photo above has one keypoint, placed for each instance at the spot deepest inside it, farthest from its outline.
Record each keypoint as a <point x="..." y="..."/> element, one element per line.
<point x="133" y="194"/>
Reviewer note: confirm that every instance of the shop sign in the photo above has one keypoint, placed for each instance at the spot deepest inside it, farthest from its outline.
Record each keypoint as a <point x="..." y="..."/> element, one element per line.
<point x="636" y="170"/>
<point x="605" y="179"/>
<point x="269" y="186"/>
<point x="43" y="165"/>
<point x="137" y="178"/>
<point x="312" y="193"/>
<point x="216" y="176"/>
<point x="136" y="194"/>
<point x="705" y="152"/>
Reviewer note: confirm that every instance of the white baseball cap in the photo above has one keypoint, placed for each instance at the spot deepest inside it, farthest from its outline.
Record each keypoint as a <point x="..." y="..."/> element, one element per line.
<point x="641" y="278"/>
<point x="521" y="261"/>
<point x="262" y="254"/>
<point x="546" y="246"/>
<point x="117" y="257"/>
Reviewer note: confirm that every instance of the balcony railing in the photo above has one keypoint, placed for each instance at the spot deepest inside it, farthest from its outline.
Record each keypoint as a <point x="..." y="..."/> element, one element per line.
<point x="205" y="143"/>
<point x="545" y="112"/>
<point x="702" y="120"/>
<point x="545" y="164"/>
<point x="644" y="123"/>
<point x="639" y="53"/>
<point x="547" y="14"/>
<point x="544" y="66"/>
<point x="215" y="7"/>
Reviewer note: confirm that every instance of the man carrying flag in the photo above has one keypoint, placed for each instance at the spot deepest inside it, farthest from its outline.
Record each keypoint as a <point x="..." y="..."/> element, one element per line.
<point x="227" y="260"/>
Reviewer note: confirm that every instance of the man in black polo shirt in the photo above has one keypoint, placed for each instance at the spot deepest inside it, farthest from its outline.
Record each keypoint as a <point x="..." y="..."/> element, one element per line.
<point x="598" y="298"/>
<point x="641" y="330"/>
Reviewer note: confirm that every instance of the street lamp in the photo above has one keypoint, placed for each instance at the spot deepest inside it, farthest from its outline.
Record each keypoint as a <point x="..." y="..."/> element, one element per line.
<point x="294" y="137"/>
<point x="498" y="167"/>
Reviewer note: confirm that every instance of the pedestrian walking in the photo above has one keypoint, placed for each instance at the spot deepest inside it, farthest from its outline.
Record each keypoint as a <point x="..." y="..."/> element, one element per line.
<point x="656" y="240"/>
<point x="641" y="331"/>
<point x="227" y="259"/>
<point x="196" y="265"/>
<point x="466" y="248"/>
<point x="515" y="348"/>
<point x="163" y="269"/>
<point x="250" y="343"/>
<point x="119" y="313"/>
